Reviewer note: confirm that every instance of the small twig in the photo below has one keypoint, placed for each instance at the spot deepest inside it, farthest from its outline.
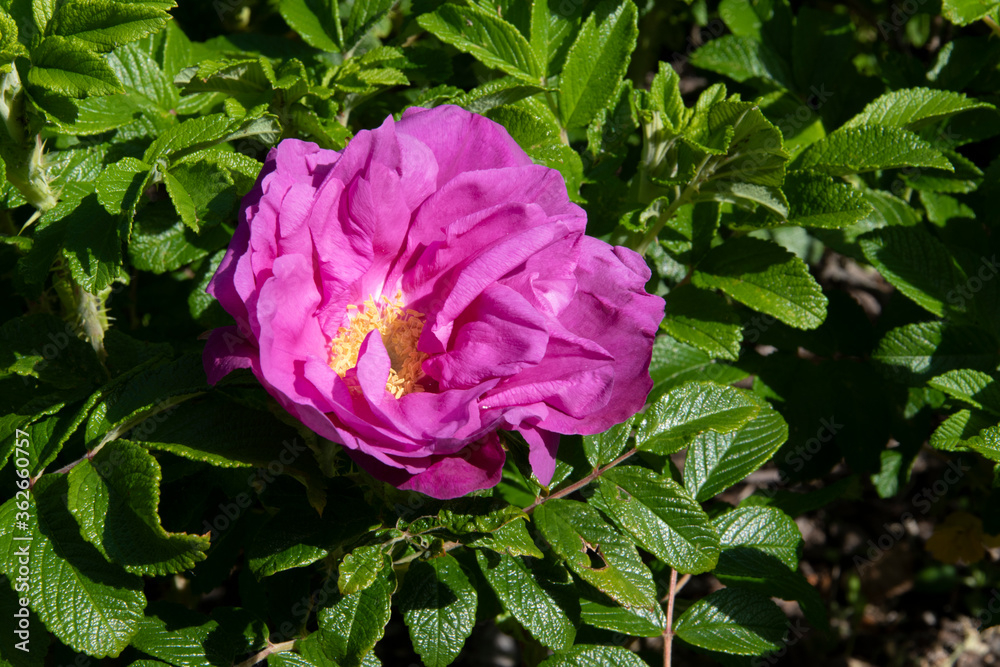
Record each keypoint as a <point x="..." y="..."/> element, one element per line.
<point x="668" y="633"/>
<point x="582" y="483"/>
<point x="271" y="648"/>
<point x="988" y="20"/>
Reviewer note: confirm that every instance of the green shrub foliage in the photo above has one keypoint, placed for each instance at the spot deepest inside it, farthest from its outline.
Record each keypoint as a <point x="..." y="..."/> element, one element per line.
<point x="151" y="518"/>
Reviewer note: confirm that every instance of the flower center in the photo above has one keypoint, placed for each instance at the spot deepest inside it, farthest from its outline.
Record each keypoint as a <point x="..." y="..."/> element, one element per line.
<point x="400" y="329"/>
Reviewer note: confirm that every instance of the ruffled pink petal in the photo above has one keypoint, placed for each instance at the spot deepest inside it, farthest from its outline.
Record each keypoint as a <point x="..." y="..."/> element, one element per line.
<point x="461" y="141"/>
<point x="226" y="350"/>
<point x="478" y="466"/>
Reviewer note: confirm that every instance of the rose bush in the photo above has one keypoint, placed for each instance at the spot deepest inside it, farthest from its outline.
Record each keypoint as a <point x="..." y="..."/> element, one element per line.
<point x="428" y="285"/>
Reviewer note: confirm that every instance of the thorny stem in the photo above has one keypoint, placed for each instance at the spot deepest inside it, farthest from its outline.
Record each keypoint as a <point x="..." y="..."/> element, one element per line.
<point x="668" y="632"/>
<point x="582" y="483"/>
<point x="271" y="648"/>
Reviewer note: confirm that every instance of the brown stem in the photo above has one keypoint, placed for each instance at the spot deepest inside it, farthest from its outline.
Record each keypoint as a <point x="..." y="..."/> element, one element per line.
<point x="271" y="648"/>
<point x="668" y="633"/>
<point x="582" y="483"/>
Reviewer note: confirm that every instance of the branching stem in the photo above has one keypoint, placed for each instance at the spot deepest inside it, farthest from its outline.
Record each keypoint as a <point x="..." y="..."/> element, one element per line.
<point x="582" y="483"/>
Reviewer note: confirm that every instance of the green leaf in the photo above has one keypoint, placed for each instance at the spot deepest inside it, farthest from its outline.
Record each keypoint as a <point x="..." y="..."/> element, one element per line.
<point x="596" y="62"/>
<point x="914" y="353"/>
<point x="818" y="200"/>
<point x="596" y="552"/>
<point x="93" y="246"/>
<point x="674" y="363"/>
<point x="487" y="37"/>
<point x="115" y="497"/>
<point x="749" y="569"/>
<point x="105" y="24"/>
<point x="179" y="636"/>
<point x="296" y="536"/>
<point x="588" y="656"/>
<point x="564" y="159"/>
<point x="511" y="538"/>
<point x="121" y="185"/>
<point x="716" y="461"/>
<point x="732" y="620"/>
<point x="354" y="623"/>
<point x="360" y="568"/>
<point x="964" y="12"/>
<point x="364" y="15"/>
<point x="222" y="433"/>
<point x="187" y="638"/>
<point x="914" y="108"/>
<point x="43" y="346"/>
<point x="743" y="59"/>
<point x="863" y="148"/>
<point x="478" y="515"/>
<point x="185" y="206"/>
<point x="90" y="605"/>
<point x="765" y="277"/>
<point x="978" y="389"/>
<point x="604" y="448"/>
<point x="500" y="92"/>
<point x="67" y="66"/>
<point x="747" y="195"/>
<point x="766" y="529"/>
<point x="760" y="553"/>
<point x="439" y="607"/>
<point x="705" y="320"/>
<point x="522" y="595"/>
<point x="200" y="133"/>
<point x="316" y="21"/>
<point x="600" y="611"/>
<point x="916" y="264"/>
<point x="690" y="409"/>
<point x="660" y="516"/>
<point x="958" y="429"/>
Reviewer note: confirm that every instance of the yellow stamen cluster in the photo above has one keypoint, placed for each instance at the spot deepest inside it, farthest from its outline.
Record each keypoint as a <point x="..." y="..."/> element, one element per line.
<point x="400" y="329"/>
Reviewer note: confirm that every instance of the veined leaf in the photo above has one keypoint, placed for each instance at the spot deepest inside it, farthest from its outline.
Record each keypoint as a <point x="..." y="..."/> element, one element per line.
<point x="354" y="623"/>
<point x="604" y="448"/>
<point x="918" y="265"/>
<point x="522" y="595"/>
<point x="439" y="608"/>
<point x="596" y="62"/>
<point x="743" y="59"/>
<point x="716" y="461"/>
<point x="766" y="277"/>
<point x="66" y="65"/>
<point x="485" y="36"/>
<point x="914" y="108"/>
<point x="596" y="552"/>
<point x="660" y="516"/>
<point x="115" y="498"/>
<point x="703" y="319"/>
<point x="363" y="17"/>
<point x="818" y="200"/>
<point x="105" y="24"/>
<point x="588" y="656"/>
<point x="766" y="529"/>
<point x="360" y="568"/>
<point x="914" y="353"/>
<point x="89" y="604"/>
<point x="733" y="621"/>
<point x="979" y="389"/>
<point x="121" y="185"/>
<point x="855" y="150"/>
<point x="316" y="21"/>
<point x="690" y="409"/>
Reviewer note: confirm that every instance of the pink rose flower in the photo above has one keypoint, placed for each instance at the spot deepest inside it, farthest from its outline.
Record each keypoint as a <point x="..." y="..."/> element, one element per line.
<point x="424" y="287"/>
